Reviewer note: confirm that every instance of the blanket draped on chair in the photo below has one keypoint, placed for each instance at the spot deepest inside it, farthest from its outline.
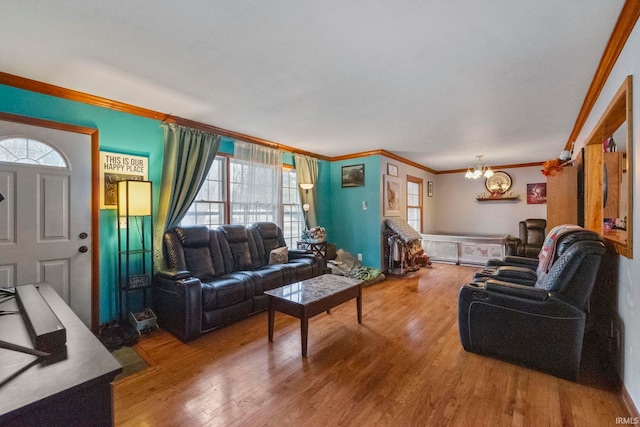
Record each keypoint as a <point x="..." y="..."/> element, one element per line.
<point x="548" y="251"/>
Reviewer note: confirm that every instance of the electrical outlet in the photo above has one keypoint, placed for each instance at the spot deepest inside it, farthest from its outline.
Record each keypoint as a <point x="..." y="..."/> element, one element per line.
<point x="365" y="206"/>
<point x="359" y="257"/>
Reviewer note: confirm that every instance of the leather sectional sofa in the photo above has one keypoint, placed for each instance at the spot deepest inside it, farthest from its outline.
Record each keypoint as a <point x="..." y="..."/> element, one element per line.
<point x="218" y="276"/>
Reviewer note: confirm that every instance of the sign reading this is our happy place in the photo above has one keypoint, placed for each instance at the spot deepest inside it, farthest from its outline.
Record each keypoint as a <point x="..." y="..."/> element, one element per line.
<point x="116" y="167"/>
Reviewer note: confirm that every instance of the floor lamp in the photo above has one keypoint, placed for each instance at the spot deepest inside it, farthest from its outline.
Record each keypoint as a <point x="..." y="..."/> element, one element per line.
<point x="135" y="255"/>
<point x="305" y="207"/>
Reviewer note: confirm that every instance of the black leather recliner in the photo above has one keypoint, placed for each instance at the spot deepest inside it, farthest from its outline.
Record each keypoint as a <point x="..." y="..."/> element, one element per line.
<point x="542" y="325"/>
<point x="526" y="271"/>
<point x="532" y="233"/>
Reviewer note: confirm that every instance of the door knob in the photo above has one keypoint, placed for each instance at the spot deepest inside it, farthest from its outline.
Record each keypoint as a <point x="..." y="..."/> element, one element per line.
<point x="83" y="249"/>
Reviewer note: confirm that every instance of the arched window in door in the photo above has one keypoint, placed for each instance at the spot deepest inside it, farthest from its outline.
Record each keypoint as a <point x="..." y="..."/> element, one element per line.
<point x="30" y="151"/>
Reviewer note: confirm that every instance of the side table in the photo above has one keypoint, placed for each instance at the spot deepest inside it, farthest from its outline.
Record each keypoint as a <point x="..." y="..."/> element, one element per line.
<point x="318" y="248"/>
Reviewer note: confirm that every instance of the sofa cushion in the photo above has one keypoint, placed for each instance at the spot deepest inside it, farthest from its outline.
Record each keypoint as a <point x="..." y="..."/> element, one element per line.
<point x="195" y="245"/>
<point x="226" y="291"/>
<point x="279" y="255"/>
<point x="242" y="245"/>
<point x="268" y="236"/>
<point x="266" y="278"/>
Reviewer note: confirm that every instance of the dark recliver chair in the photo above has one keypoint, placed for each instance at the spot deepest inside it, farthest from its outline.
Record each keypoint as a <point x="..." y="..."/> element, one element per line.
<point x="540" y="326"/>
<point x="219" y="276"/>
<point x="532" y="232"/>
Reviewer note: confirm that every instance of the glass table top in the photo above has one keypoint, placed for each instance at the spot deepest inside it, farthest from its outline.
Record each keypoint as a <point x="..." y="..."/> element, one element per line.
<point x="314" y="289"/>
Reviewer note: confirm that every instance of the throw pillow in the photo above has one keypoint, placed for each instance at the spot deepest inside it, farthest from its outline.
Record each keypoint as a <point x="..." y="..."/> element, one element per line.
<point x="279" y="255"/>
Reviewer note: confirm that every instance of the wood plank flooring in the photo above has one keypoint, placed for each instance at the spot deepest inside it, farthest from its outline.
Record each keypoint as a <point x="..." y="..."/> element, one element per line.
<point x="403" y="366"/>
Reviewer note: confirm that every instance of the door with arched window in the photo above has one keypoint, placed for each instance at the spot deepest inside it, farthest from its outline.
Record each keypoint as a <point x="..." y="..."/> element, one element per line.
<point x="45" y="211"/>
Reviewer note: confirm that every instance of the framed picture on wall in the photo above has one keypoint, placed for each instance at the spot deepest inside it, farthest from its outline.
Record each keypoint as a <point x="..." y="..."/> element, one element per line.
<point x="429" y="188"/>
<point x="391" y="196"/>
<point x="116" y="167"/>
<point x="537" y="193"/>
<point x="392" y="169"/>
<point x="353" y="176"/>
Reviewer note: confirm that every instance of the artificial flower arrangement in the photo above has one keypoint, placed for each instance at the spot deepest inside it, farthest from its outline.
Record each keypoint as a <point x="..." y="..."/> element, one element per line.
<point x="551" y="167"/>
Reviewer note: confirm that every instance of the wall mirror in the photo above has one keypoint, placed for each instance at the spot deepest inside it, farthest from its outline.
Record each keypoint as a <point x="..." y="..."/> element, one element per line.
<point x="608" y="174"/>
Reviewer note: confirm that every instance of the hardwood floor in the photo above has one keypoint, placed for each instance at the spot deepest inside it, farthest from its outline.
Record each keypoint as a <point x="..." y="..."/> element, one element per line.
<point x="403" y="366"/>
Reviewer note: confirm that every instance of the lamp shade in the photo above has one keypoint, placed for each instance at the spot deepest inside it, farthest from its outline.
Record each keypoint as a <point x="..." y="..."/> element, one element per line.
<point x="134" y="198"/>
<point x="306" y="186"/>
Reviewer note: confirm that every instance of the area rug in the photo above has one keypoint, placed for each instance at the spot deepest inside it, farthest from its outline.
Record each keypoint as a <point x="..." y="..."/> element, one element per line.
<point x="131" y="362"/>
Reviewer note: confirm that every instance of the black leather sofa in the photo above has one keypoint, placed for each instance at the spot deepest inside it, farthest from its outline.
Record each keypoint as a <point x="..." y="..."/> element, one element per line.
<point x="541" y="324"/>
<point x="218" y="276"/>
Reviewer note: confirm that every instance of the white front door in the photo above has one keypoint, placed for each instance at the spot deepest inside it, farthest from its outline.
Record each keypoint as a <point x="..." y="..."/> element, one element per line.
<point x="45" y="216"/>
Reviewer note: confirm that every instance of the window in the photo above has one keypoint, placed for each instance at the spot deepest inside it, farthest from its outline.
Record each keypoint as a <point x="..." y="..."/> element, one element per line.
<point x="293" y="218"/>
<point x="414" y="203"/>
<point x="209" y="207"/>
<point x="255" y="203"/>
<point x="30" y="152"/>
<point x="212" y="203"/>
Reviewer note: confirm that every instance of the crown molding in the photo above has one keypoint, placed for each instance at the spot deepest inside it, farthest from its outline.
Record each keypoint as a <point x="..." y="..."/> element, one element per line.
<point x="621" y="31"/>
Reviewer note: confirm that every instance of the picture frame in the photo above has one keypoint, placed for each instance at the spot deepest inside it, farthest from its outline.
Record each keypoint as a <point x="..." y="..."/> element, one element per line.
<point x="353" y="176"/>
<point x="391" y="196"/>
<point x="116" y="167"/>
<point x="392" y="169"/>
<point x="429" y="188"/>
<point x="537" y="193"/>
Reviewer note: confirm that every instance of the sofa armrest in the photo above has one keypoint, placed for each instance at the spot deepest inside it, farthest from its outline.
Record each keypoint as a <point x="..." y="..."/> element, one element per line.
<point x="520" y="275"/>
<point x="516" y="290"/>
<point x="174" y="274"/>
<point x="178" y="304"/>
<point x="299" y="253"/>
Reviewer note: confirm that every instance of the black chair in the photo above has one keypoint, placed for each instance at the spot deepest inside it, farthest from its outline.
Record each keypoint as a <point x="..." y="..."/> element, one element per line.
<point x="532" y="233"/>
<point x="541" y="325"/>
<point x="525" y="271"/>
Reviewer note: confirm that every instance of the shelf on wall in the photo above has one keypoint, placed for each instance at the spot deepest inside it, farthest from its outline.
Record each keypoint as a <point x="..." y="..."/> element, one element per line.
<point x="497" y="199"/>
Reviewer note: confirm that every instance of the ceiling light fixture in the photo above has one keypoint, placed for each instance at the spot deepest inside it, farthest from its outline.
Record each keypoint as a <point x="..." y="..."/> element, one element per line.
<point x="475" y="172"/>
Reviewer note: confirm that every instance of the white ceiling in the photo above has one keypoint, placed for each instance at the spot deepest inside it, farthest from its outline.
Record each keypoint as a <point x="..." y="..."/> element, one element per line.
<point x="434" y="81"/>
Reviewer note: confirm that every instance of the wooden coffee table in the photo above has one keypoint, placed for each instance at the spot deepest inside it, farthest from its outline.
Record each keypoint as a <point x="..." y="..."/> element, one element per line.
<point x="310" y="297"/>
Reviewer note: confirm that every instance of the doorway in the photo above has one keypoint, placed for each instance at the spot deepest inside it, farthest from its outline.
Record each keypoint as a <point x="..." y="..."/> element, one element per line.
<point x="47" y="226"/>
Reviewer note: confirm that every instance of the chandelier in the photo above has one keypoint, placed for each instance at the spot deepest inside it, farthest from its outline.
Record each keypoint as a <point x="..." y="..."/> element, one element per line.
<point x="475" y="172"/>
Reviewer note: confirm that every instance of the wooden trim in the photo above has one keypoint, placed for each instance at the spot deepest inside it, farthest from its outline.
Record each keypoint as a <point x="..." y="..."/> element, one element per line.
<point x="626" y="21"/>
<point x="73" y="95"/>
<point x="619" y="110"/>
<point x="495" y="168"/>
<point x="95" y="199"/>
<point x="382" y="152"/>
<point x="95" y="231"/>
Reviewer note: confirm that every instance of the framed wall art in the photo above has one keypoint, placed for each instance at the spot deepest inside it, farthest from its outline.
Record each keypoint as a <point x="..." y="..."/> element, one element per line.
<point x="429" y="188"/>
<point x="537" y="193"/>
<point x="392" y="169"/>
<point x="353" y="176"/>
<point x="391" y="196"/>
<point x="116" y="167"/>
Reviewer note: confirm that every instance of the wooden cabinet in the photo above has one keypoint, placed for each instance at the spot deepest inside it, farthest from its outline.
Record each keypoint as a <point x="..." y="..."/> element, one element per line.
<point x="562" y="197"/>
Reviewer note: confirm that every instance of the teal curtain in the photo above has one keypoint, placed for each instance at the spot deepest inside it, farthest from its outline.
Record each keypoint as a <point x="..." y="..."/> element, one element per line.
<point x="307" y="173"/>
<point x="188" y="155"/>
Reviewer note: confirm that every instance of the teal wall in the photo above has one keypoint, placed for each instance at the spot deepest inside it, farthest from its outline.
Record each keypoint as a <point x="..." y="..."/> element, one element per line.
<point x="339" y="209"/>
<point x="118" y="132"/>
<point x="350" y="227"/>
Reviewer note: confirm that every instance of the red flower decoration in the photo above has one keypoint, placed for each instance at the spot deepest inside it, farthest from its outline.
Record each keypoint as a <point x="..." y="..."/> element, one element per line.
<point x="551" y="167"/>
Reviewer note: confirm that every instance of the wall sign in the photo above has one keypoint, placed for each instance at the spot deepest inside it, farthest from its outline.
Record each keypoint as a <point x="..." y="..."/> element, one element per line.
<point x="116" y="167"/>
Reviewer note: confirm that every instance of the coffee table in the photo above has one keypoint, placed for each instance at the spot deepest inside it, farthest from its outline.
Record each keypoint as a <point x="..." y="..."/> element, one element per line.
<point x="311" y="297"/>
